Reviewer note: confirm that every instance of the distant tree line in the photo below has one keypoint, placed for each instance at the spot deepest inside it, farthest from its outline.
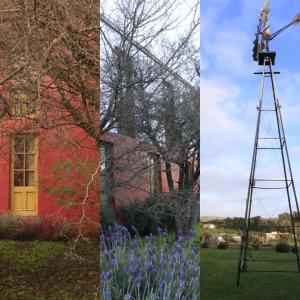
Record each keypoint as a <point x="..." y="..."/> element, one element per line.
<point x="258" y="223"/>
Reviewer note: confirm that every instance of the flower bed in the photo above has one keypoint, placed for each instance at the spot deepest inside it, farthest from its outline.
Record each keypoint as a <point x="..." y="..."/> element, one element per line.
<point x="151" y="268"/>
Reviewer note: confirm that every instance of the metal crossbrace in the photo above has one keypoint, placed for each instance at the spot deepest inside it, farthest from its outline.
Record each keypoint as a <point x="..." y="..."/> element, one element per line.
<point x="288" y="176"/>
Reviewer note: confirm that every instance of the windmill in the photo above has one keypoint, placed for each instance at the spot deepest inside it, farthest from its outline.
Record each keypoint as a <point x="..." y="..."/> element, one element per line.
<point x="266" y="59"/>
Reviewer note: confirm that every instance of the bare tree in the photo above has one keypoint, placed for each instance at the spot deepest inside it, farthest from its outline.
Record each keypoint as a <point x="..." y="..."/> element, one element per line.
<point x="49" y="54"/>
<point x="143" y="99"/>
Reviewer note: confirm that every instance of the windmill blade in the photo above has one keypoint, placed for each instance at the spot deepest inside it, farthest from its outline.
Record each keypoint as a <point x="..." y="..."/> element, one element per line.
<point x="266" y="5"/>
<point x="265" y="11"/>
<point x="296" y="20"/>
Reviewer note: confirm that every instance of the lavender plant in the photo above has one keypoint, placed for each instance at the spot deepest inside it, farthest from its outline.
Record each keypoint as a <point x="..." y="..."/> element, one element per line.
<point x="153" y="268"/>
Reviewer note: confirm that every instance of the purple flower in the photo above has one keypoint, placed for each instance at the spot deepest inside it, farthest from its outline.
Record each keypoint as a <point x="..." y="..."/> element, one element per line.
<point x="134" y="243"/>
<point x="108" y="294"/>
<point x="181" y="239"/>
<point x="112" y="257"/>
<point x="181" y="284"/>
<point x="139" y="279"/>
<point x="192" y="233"/>
<point x="162" y="231"/>
<point x="168" y="277"/>
<point x="195" y="250"/>
<point x="195" y="272"/>
<point x="148" y="267"/>
<point x="106" y="276"/>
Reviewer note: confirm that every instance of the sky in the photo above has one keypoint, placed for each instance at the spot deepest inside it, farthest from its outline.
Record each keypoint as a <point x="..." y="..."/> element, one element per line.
<point x="229" y="96"/>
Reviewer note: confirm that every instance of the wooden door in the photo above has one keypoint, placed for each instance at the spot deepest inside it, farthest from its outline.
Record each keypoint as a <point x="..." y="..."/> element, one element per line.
<point x="24" y="175"/>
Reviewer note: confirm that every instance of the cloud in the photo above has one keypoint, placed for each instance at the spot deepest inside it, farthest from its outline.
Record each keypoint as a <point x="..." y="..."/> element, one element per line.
<point x="229" y="51"/>
<point x="229" y="95"/>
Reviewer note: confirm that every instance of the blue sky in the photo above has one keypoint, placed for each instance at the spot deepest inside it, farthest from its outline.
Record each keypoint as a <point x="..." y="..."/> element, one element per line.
<point x="229" y="96"/>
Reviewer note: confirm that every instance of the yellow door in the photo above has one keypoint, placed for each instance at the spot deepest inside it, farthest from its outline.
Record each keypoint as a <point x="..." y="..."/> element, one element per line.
<point x="24" y="175"/>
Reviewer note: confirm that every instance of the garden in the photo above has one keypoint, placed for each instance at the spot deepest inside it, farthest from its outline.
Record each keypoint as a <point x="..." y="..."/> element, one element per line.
<point x="149" y="262"/>
<point x="41" y="264"/>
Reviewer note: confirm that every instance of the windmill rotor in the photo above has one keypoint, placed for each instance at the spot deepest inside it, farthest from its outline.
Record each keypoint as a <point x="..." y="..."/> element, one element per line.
<point x="296" y="20"/>
<point x="263" y="35"/>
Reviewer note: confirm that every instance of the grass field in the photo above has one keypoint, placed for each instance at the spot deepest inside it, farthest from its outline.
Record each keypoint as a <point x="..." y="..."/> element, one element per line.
<point x="40" y="270"/>
<point x="219" y="272"/>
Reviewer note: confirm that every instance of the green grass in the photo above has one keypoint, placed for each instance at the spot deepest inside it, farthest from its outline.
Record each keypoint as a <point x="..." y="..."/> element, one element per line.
<point x="219" y="273"/>
<point x="42" y="270"/>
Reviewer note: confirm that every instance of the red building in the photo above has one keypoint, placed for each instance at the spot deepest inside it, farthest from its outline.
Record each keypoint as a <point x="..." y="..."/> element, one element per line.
<point x="131" y="170"/>
<point x="49" y="110"/>
<point x="40" y="173"/>
<point x="49" y="166"/>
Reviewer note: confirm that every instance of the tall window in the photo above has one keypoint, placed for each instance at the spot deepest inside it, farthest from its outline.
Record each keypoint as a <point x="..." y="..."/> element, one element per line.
<point x="24" y="160"/>
<point x="106" y="164"/>
<point x="155" y="173"/>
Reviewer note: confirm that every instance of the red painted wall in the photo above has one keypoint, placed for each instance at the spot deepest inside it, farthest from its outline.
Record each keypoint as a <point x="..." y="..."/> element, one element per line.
<point x="131" y="169"/>
<point x="57" y="146"/>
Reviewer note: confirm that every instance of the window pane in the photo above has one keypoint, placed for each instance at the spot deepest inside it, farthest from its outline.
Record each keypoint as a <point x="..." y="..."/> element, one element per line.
<point x="29" y="178"/>
<point x="29" y="144"/>
<point x="102" y="158"/>
<point x="29" y="161"/>
<point x="18" y="178"/>
<point x="19" y="144"/>
<point x="19" y="161"/>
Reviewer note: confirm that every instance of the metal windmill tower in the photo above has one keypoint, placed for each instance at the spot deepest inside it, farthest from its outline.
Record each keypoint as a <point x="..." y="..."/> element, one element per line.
<point x="266" y="59"/>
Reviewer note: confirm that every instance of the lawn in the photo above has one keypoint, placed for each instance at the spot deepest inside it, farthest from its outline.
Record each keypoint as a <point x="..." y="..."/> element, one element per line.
<point x="41" y="270"/>
<point x="219" y="273"/>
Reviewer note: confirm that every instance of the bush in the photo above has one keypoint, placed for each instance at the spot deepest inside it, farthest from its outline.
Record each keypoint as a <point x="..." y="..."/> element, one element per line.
<point x="204" y="245"/>
<point x="222" y="245"/>
<point x="282" y="247"/>
<point x="107" y="217"/>
<point x="294" y="250"/>
<point x="33" y="228"/>
<point x="9" y="226"/>
<point x="146" y="216"/>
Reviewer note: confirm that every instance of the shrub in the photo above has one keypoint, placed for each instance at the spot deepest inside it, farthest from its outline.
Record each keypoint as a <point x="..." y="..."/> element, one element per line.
<point x="146" y="216"/>
<point x="282" y="247"/>
<point x="205" y="245"/>
<point x="9" y="226"/>
<point x="107" y="217"/>
<point x="33" y="228"/>
<point x="153" y="268"/>
<point x="294" y="250"/>
<point x="222" y="245"/>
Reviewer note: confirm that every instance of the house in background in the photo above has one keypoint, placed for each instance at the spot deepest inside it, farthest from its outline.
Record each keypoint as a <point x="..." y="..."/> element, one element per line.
<point x="130" y="170"/>
<point x="209" y="226"/>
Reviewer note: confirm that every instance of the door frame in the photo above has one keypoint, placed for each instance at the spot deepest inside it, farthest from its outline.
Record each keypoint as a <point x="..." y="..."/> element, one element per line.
<point x="12" y="187"/>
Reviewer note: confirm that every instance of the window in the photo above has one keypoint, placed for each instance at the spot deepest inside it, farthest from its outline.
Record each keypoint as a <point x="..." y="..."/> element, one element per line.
<point x="155" y="173"/>
<point x="106" y="171"/>
<point x="23" y="107"/>
<point x="24" y="160"/>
